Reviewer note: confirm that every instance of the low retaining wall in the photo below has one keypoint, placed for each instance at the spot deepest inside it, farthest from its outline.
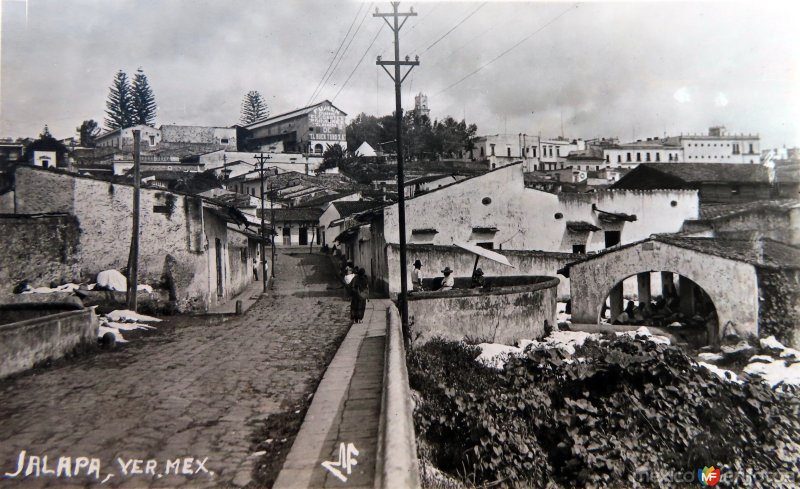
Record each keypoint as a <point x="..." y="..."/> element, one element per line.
<point x="397" y="464"/>
<point x="25" y="343"/>
<point x="500" y="315"/>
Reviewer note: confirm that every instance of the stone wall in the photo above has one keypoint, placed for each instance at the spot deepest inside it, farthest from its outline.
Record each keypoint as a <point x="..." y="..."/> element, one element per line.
<point x="501" y="315"/>
<point x="731" y="285"/>
<point x="199" y="135"/>
<point x="39" y="249"/>
<point x="175" y="241"/>
<point x="780" y="305"/>
<point x="25" y="343"/>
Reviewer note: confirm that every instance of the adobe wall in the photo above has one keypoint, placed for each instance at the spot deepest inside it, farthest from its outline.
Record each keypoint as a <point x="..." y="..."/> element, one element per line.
<point x="501" y="315"/>
<point x="731" y="285"/>
<point x="529" y="219"/>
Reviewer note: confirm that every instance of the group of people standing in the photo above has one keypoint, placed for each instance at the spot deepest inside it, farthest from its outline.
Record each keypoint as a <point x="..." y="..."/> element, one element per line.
<point x="447" y="281"/>
<point x="357" y="285"/>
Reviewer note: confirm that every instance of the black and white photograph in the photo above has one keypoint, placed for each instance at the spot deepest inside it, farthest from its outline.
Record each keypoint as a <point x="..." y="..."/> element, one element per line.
<point x="418" y="244"/>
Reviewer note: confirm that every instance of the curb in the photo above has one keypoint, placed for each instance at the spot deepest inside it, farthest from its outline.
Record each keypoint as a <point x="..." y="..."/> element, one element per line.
<point x="397" y="465"/>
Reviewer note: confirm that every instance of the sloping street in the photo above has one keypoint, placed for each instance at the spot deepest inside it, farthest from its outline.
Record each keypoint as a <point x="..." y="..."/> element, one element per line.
<point x="181" y="406"/>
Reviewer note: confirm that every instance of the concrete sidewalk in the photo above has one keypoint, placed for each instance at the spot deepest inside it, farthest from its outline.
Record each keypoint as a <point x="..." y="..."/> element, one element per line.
<point x="248" y="297"/>
<point x="337" y="445"/>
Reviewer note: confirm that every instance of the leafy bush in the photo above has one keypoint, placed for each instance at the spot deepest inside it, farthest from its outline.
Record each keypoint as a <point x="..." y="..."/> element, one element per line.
<point x="628" y="413"/>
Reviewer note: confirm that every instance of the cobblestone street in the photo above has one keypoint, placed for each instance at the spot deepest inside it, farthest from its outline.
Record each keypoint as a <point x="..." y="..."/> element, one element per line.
<point x="197" y="388"/>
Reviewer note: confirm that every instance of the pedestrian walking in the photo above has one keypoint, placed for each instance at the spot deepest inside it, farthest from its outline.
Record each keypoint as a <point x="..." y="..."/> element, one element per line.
<point x="360" y="295"/>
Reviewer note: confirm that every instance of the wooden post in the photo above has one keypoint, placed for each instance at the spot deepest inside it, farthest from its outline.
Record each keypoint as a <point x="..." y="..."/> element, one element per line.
<point x="133" y="256"/>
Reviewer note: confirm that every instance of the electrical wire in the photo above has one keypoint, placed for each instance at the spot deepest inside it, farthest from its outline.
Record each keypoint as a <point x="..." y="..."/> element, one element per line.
<point x="380" y="29"/>
<point x="314" y="93"/>
<point x="453" y="28"/>
<point x="508" y="50"/>
<point x="348" y="46"/>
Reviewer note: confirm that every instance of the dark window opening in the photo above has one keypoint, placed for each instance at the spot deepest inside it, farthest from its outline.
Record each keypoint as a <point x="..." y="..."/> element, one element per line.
<point x="489" y="245"/>
<point x="612" y="238"/>
<point x="579" y="249"/>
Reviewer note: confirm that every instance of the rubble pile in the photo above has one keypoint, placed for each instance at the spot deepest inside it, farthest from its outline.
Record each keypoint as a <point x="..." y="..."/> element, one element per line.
<point x="620" y="411"/>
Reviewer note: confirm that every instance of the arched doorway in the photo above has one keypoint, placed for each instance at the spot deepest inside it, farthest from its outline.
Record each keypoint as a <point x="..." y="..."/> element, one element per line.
<point x="663" y="299"/>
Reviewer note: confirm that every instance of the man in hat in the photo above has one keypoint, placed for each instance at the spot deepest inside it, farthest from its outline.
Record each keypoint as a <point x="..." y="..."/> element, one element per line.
<point x="416" y="276"/>
<point x="477" y="279"/>
<point x="448" y="281"/>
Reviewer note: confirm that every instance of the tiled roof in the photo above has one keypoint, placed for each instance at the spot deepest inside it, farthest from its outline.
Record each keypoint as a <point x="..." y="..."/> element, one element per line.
<point x="293" y="214"/>
<point x="689" y="175"/>
<point x="759" y="253"/>
<point x="581" y="226"/>
<point x="765" y="253"/>
<point x="716" y="211"/>
<point x="322" y="202"/>
<point x="426" y="179"/>
<point x="346" y="208"/>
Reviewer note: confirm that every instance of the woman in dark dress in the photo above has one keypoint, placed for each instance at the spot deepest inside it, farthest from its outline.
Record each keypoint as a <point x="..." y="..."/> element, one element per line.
<point x="358" y="302"/>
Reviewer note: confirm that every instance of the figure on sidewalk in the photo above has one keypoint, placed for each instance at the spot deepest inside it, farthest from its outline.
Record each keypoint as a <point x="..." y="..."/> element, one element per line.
<point x="360" y="295"/>
<point x="255" y="269"/>
<point x="416" y="276"/>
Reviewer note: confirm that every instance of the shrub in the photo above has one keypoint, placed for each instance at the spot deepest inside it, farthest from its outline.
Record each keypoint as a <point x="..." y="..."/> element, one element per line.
<point x="627" y="412"/>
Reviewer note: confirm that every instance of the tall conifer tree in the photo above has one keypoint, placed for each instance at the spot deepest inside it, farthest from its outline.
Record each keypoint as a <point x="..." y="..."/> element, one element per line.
<point x="144" y="102"/>
<point x="253" y="108"/>
<point x="119" y="106"/>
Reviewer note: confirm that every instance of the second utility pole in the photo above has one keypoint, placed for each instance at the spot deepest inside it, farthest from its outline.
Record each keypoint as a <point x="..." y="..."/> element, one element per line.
<point x="398" y="113"/>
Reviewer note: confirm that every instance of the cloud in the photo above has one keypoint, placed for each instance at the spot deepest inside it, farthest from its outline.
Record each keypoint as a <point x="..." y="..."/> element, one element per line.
<point x="721" y="100"/>
<point x="602" y="68"/>
<point x="682" y="95"/>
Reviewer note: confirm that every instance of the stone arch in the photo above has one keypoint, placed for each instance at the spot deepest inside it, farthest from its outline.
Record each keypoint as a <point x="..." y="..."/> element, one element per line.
<point x="687" y="298"/>
<point x="731" y="285"/>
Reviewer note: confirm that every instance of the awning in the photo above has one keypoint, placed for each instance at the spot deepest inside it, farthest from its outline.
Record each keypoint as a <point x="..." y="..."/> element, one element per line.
<point x="424" y="231"/>
<point x="606" y="216"/>
<point x="581" y="226"/>
<point x="480" y="251"/>
<point x="485" y="230"/>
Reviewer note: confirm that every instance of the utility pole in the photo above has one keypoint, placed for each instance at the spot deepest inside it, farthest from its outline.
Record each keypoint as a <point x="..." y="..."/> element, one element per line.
<point x="261" y="160"/>
<point x="272" y="227"/>
<point x="396" y="25"/>
<point x="133" y="256"/>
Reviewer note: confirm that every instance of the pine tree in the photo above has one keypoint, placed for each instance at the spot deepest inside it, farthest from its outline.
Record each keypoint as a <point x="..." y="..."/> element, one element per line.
<point x="144" y="102"/>
<point x="253" y="108"/>
<point x="119" y="107"/>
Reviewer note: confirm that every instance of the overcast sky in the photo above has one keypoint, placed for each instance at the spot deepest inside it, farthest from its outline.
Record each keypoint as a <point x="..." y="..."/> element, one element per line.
<point x="627" y="70"/>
